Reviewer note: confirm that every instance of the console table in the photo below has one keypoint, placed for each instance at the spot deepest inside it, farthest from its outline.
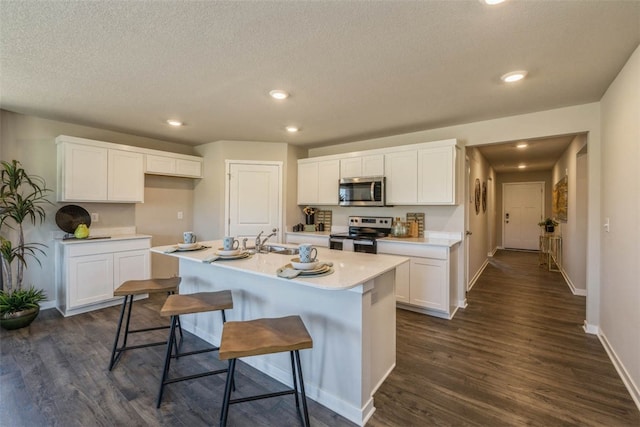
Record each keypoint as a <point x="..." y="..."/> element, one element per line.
<point x="551" y="251"/>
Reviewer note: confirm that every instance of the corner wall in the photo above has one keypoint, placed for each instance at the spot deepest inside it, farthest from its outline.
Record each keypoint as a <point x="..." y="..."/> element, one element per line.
<point x="620" y="254"/>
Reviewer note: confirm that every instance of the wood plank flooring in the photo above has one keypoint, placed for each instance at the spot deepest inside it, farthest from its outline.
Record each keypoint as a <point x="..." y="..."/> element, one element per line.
<point x="516" y="356"/>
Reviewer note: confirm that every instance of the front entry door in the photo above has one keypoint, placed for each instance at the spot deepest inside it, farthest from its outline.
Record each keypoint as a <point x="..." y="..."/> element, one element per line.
<point x="254" y="198"/>
<point x="523" y="208"/>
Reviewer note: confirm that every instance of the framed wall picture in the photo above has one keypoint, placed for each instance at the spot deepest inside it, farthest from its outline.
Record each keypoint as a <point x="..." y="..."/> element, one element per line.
<point x="560" y="199"/>
<point x="477" y="196"/>
<point x="484" y="196"/>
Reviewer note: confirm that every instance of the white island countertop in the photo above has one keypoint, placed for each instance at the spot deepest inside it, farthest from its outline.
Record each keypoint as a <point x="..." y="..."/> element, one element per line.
<point x="350" y="268"/>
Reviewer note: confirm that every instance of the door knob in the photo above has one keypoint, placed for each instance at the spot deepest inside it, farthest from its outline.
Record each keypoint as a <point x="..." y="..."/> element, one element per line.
<point x="468" y="233"/>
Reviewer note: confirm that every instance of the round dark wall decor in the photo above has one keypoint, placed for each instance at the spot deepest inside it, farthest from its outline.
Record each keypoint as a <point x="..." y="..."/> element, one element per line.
<point x="484" y="197"/>
<point x="477" y="196"/>
<point x="70" y="216"/>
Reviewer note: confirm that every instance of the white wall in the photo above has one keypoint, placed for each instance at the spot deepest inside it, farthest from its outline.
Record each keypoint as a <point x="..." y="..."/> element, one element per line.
<point x="30" y="140"/>
<point x="573" y="231"/>
<point x="477" y="222"/>
<point x="620" y="256"/>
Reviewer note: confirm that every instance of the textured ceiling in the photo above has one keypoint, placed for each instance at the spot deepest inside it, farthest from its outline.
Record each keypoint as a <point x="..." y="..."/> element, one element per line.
<point x="355" y="69"/>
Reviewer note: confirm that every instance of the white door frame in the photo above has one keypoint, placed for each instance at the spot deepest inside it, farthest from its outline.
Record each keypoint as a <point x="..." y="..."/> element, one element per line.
<point x="504" y="184"/>
<point x="227" y="192"/>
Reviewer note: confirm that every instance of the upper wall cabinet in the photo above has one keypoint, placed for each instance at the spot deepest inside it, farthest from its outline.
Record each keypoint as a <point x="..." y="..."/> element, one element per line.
<point x="96" y="171"/>
<point x="354" y="167"/>
<point x="88" y="173"/>
<point x="318" y="182"/>
<point x="401" y="171"/>
<point x="173" y="165"/>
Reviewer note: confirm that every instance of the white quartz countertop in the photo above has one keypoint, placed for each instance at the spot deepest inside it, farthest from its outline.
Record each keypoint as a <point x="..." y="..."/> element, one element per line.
<point x="98" y="238"/>
<point x="350" y="268"/>
<point x="431" y="241"/>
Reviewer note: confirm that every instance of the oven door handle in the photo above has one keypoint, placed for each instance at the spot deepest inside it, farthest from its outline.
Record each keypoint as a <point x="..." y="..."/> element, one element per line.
<point x="373" y="193"/>
<point x="363" y="242"/>
<point x="337" y="239"/>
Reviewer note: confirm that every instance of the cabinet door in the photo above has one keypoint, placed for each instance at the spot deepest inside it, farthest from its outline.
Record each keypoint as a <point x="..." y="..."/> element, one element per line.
<point x="373" y="165"/>
<point x="436" y="175"/>
<point x="82" y="172"/>
<point x="307" y="183"/>
<point x="130" y="265"/>
<point x="189" y="168"/>
<point x="429" y="285"/>
<point x="328" y="182"/>
<point x="126" y="176"/>
<point x="403" y="282"/>
<point x="351" y="167"/>
<point x="160" y="165"/>
<point x="90" y="279"/>
<point x="401" y="170"/>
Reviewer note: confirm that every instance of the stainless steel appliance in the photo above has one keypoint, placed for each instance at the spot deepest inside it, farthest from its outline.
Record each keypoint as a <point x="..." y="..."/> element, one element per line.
<point x="364" y="191"/>
<point x="362" y="234"/>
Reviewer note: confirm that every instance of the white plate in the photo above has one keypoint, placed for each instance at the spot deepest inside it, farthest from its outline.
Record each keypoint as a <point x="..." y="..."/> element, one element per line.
<point x="222" y="252"/>
<point x="188" y="245"/>
<point x="323" y="268"/>
<point x="295" y="262"/>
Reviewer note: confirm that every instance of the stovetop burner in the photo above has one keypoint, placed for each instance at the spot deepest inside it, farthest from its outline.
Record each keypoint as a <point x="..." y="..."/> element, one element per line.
<point x="367" y="228"/>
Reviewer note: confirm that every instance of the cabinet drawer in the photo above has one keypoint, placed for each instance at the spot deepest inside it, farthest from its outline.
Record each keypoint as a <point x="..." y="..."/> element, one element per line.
<point x="105" y="246"/>
<point x="413" y="250"/>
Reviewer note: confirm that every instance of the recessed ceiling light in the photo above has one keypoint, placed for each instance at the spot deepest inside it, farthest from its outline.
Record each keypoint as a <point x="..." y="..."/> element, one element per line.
<point x="292" y="129"/>
<point x="492" y="2"/>
<point x="522" y="145"/>
<point x="514" y="76"/>
<point x="279" y="94"/>
<point x="173" y="122"/>
<point x="522" y="166"/>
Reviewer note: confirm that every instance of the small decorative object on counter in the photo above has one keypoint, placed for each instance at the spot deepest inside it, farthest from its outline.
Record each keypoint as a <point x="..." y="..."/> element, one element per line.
<point x="549" y="225"/>
<point x="399" y="228"/>
<point x="309" y="214"/>
<point x="82" y="231"/>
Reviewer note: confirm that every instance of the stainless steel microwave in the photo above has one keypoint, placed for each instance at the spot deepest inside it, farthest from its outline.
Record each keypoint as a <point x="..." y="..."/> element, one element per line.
<point x="363" y="191"/>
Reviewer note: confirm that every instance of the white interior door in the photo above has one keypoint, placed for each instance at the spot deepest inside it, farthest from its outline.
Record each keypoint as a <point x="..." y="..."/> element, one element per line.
<point x="254" y="198"/>
<point x="522" y="210"/>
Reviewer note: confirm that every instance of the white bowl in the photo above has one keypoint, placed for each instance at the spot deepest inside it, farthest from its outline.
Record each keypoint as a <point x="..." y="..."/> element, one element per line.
<point x="222" y="252"/>
<point x="295" y="263"/>
<point x="187" y="245"/>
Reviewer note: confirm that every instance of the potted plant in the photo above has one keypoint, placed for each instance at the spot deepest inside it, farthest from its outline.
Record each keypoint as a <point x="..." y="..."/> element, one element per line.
<point x="22" y="198"/>
<point x="549" y="224"/>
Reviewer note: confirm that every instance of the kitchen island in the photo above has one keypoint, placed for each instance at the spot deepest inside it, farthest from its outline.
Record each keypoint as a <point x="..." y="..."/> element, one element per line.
<point x="350" y="315"/>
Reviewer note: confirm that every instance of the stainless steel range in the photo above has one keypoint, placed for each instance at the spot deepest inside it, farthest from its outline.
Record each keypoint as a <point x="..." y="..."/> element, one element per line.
<point x="362" y="235"/>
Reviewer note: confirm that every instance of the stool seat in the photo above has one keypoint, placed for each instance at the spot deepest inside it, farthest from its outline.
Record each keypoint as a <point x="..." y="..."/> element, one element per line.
<point x="200" y="302"/>
<point x="263" y="336"/>
<point x="148" y="286"/>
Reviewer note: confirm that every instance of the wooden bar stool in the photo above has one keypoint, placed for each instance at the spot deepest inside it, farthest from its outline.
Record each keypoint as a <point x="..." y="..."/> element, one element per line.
<point x="129" y="289"/>
<point x="265" y="336"/>
<point x="177" y="305"/>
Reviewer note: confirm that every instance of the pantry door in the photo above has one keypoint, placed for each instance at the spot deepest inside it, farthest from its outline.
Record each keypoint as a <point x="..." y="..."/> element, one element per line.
<point x="254" y="194"/>
<point x="522" y="210"/>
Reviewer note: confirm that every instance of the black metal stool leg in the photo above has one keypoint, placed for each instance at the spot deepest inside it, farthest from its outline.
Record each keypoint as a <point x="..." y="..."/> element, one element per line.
<point x="295" y="383"/>
<point x="126" y="325"/>
<point x="115" y="343"/>
<point x="167" y="359"/>
<point x="227" y="393"/>
<point x="304" y="395"/>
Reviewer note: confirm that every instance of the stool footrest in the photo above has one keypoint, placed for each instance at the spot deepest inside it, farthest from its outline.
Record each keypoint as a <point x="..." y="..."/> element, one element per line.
<point x="191" y="377"/>
<point x="189" y="353"/>
<point x="155" y="328"/>
<point x="261" y="396"/>
<point x="131" y="347"/>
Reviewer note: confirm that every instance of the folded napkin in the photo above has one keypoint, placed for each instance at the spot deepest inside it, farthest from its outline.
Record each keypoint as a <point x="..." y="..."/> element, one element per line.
<point x="171" y="249"/>
<point x="287" y="273"/>
<point x="210" y="259"/>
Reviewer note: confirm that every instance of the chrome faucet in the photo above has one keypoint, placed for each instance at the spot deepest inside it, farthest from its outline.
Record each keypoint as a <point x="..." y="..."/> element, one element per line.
<point x="260" y="244"/>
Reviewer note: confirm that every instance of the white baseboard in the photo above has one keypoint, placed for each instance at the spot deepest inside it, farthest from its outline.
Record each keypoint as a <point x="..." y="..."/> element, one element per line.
<point x="490" y="254"/>
<point x="590" y="329"/>
<point x="632" y="387"/>
<point x="477" y="275"/>
<point x="574" y="290"/>
<point x="462" y="303"/>
<point x="48" y="304"/>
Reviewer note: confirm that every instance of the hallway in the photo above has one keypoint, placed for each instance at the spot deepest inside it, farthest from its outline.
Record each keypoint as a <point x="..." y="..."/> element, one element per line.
<point x="517" y="355"/>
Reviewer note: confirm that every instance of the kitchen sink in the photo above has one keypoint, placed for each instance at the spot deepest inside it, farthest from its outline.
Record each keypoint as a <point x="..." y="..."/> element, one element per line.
<point x="282" y="250"/>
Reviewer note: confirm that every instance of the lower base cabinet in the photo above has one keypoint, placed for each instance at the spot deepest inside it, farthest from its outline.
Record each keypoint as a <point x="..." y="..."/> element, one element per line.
<point x="425" y="285"/>
<point x="88" y="272"/>
<point x="314" y="239"/>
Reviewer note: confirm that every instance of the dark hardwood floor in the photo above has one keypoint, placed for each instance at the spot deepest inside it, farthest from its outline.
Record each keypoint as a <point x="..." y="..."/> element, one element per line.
<point x="516" y="356"/>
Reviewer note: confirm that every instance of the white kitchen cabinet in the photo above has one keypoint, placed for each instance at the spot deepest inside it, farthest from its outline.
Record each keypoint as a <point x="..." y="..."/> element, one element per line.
<point x="437" y="175"/>
<point x="401" y="171"/>
<point x="318" y="182"/>
<point x="87" y="272"/>
<point x="427" y="284"/>
<point x="301" y="237"/>
<point x="125" y="177"/>
<point x="91" y="173"/>
<point x="173" y="165"/>
<point x="370" y="165"/>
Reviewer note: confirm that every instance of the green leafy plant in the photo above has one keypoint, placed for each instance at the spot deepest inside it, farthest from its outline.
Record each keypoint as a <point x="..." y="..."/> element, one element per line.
<point x="22" y="199"/>
<point x="548" y="222"/>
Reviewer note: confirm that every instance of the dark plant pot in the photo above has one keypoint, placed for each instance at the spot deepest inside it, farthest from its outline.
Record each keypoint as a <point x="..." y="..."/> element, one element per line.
<point x="550" y="228"/>
<point x="309" y="219"/>
<point x="19" y="319"/>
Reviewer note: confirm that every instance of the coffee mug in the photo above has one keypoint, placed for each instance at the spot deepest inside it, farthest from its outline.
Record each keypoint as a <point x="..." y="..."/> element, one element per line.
<point x="189" y="237"/>
<point x="230" y="244"/>
<point x="307" y="253"/>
